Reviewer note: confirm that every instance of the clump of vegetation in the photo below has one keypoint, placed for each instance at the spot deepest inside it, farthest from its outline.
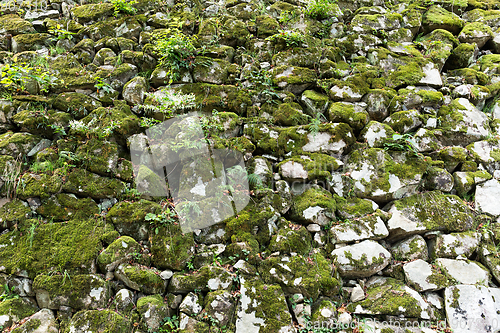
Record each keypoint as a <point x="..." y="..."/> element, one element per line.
<point x="321" y="9"/>
<point x="290" y="38"/>
<point x="124" y="6"/>
<point x="168" y="101"/>
<point x="167" y="216"/>
<point x="176" y="52"/>
<point x="402" y="142"/>
<point x="13" y="77"/>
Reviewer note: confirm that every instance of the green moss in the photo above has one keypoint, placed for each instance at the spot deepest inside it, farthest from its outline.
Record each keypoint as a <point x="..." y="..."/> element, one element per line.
<point x="128" y="217"/>
<point x="286" y="75"/>
<point x="71" y="246"/>
<point x="149" y="280"/>
<point x="438" y="17"/>
<point x="255" y="220"/>
<point x="311" y="198"/>
<point x="79" y="105"/>
<point x="29" y="326"/>
<point x="102" y="321"/>
<point x="73" y="291"/>
<point x="150" y="300"/>
<point x="314" y="272"/>
<point x="17" y="309"/>
<point x="437" y="211"/>
<point x="15" y="144"/>
<point x="13" y="24"/>
<point x="389" y="298"/>
<point x="121" y="249"/>
<point x="43" y="186"/>
<point x="318" y="166"/>
<point x="14" y="212"/>
<point x="350" y="208"/>
<point x="289" y="240"/>
<point x="471" y="76"/>
<point x="98" y="156"/>
<point x="170" y="248"/>
<point x="290" y="114"/>
<point x="32" y="121"/>
<point x="348" y="113"/>
<point x="64" y="207"/>
<point x="92" y="12"/>
<point x="84" y="183"/>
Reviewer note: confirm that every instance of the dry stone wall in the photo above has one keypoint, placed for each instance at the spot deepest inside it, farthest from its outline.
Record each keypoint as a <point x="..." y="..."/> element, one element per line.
<point x="367" y="134"/>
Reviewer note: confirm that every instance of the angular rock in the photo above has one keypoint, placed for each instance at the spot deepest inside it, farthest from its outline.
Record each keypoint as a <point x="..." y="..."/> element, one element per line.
<point x="410" y="249"/>
<point x="464" y="271"/>
<point x="454" y="244"/>
<point x="146" y="280"/>
<point x="262" y="306"/>
<point x="429" y="211"/>
<point x="486" y="195"/>
<point x="472" y="308"/>
<point x="76" y="291"/>
<point x="388" y="296"/>
<point x="421" y="276"/>
<point x="361" y="260"/>
<point x="358" y="229"/>
<point x="41" y="322"/>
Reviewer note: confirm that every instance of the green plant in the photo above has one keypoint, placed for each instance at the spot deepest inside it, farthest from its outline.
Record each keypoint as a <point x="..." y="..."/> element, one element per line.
<point x="176" y="52"/>
<point x="167" y="216"/>
<point x="262" y="81"/>
<point x="92" y="129"/>
<point x="124" y="6"/>
<point x="287" y="16"/>
<point x="8" y="293"/>
<point x="101" y="85"/>
<point x="315" y="122"/>
<point x="321" y="9"/>
<point x="31" y="233"/>
<point x="56" y="50"/>
<point x="11" y="178"/>
<point x="169" y="324"/>
<point x="61" y="33"/>
<point x="13" y="77"/>
<point x="290" y="38"/>
<point x="402" y="142"/>
<point x="168" y="101"/>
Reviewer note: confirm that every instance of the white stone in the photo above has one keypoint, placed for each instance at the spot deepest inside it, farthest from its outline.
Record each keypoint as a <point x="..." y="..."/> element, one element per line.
<point x="487" y="197"/>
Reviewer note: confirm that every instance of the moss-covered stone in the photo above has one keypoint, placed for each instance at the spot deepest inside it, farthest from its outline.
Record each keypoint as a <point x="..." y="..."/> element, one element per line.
<point x="315" y="205"/>
<point x="429" y="211"/>
<point x="309" y="275"/>
<point x="121" y="250"/>
<point x="291" y="238"/>
<point x="42" y="186"/>
<point x="31" y="42"/>
<point x="14" y="25"/>
<point x="14" y="310"/>
<point x="259" y="222"/>
<point x="437" y="17"/>
<point x="377" y="176"/>
<point x="84" y="183"/>
<point x="105" y="321"/>
<point x="351" y="114"/>
<point x="64" y="207"/>
<point x="14" y="212"/>
<point x="75" y="291"/>
<point x="42" y="124"/>
<point x="292" y="78"/>
<point x="207" y="278"/>
<point x="146" y="280"/>
<point x="71" y="246"/>
<point x="16" y="144"/>
<point x="92" y="12"/>
<point x="391" y="297"/>
<point x="308" y="167"/>
<point x="77" y="104"/>
<point x="128" y="217"/>
<point x="170" y="248"/>
<point x="98" y="156"/>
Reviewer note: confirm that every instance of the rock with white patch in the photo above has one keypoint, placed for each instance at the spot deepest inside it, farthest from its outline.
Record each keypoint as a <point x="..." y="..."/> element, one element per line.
<point x="220" y="305"/>
<point x="454" y="244"/>
<point x="462" y="124"/>
<point x="376" y="175"/>
<point x="191" y="305"/>
<point x="205" y="279"/>
<point x="376" y="134"/>
<point x="77" y="291"/>
<point x="310" y="275"/>
<point x="41" y="322"/>
<point x="486" y="152"/>
<point x="486" y="198"/>
<point x="144" y="279"/>
<point x="388" y="296"/>
<point x="361" y="260"/>
<point x="429" y="211"/>
<point x="409" y="249"/>
<point x="315" y="205"/>
<point x="464" y="271"/>
<point x="118" y="252"/>
<point x="124" y="301"/>
<point x="421" y="276"/>
<point x="358" y="229"/>
<point x="472" y="308"/>
<point x="262" y="306"/>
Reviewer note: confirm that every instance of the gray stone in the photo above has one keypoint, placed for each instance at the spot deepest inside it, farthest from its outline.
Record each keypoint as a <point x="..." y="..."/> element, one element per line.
<point x="421" y="276"/>
<point x="464" y="271"/>
<point x="486" y="198"/>
<point x="361" y="260"/>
